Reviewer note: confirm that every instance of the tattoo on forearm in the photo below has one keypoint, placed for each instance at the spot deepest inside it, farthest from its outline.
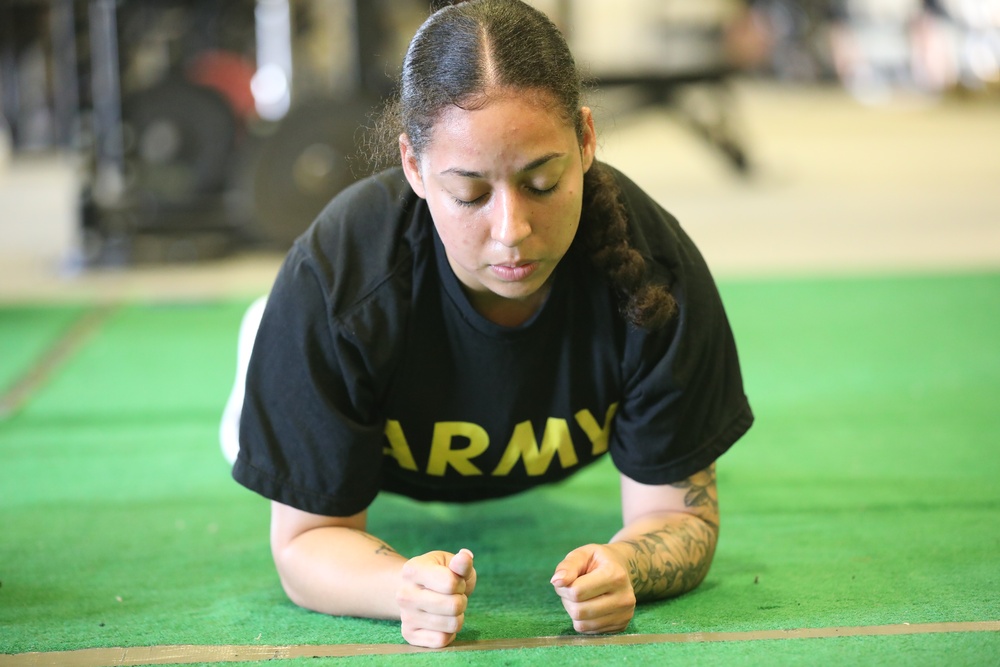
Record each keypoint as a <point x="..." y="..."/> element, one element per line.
<point x="674" y="560"/>
<point x="383" y="548"/>
<point x="671" y="562"/>
<point x="701" y="491"/>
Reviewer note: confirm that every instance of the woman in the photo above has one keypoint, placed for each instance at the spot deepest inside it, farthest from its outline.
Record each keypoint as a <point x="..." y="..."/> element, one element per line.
<point x="496" y="313"/>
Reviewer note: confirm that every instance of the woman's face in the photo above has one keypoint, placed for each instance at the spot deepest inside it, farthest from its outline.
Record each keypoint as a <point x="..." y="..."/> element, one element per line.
<point x="504" y="185"/>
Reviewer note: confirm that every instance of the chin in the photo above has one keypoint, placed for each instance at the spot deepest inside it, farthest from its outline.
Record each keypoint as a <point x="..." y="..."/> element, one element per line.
<point x="516" y="291"/>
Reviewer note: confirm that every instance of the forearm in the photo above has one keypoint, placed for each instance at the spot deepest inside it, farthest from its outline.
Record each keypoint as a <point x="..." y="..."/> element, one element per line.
<point x="666" y="554"/>
<point x="341" y="571"/>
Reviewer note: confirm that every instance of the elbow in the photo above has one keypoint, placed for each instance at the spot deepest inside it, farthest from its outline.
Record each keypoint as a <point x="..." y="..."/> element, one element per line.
<point x="708" y="538"/>
<point x="701" y="539"/>
<point x="284" y="564"/>
<point x="293" y="594"/>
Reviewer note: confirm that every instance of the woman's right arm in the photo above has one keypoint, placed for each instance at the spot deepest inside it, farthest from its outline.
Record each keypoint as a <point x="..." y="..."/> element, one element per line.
<point x="334" y="566"/>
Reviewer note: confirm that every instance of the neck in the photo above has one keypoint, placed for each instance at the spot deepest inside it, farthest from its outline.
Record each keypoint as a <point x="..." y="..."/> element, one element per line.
<point x="508" y="312"/>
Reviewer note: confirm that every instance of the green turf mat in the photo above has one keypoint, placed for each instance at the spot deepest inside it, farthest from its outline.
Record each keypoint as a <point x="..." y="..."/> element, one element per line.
<point x="26" y="332"/>
<point x="150" y="364"/>
<point x="865" y="494"/>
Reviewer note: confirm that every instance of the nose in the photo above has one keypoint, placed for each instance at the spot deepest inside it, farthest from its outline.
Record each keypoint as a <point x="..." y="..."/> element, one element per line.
<point x="511" y="225"/>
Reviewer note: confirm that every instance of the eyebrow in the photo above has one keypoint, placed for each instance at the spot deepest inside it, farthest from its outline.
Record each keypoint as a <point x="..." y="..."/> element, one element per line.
<point x="534" y="164"/>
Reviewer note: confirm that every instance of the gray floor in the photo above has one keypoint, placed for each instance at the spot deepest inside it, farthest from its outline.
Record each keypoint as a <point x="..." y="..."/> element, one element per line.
<point x="837" y="188"/>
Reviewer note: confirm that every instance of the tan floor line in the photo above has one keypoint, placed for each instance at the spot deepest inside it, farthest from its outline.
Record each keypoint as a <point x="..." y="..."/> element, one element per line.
<point x="165" y="655"/>
<point x="55" y="356"/>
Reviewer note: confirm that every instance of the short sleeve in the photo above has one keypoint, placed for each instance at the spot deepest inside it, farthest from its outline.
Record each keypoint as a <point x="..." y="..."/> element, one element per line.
<point x="683" y="402"/>
<point x="309" y="437"/>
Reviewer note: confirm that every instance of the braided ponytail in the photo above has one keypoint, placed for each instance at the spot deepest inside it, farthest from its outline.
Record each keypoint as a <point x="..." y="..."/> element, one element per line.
<point x="604" y="233"/>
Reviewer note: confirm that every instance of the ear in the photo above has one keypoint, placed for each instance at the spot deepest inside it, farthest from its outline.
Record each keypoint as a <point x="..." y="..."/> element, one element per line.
<point x="411" y="166"/>
<point x="588" y="144"/>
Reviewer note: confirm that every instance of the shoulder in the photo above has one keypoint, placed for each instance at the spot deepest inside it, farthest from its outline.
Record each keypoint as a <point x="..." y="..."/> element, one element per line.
<point x="382" y="194"/>
<point x="345" y="291"/>
<point x="364" y="241"/>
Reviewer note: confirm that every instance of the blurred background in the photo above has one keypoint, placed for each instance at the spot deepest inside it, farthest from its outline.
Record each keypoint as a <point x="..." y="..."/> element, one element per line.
<point x="176" y="148"/>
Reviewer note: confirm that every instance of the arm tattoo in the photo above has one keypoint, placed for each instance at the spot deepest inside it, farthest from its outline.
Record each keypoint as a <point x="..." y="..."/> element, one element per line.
<point x="383" y="548"/>
<point x="675" y="559"/>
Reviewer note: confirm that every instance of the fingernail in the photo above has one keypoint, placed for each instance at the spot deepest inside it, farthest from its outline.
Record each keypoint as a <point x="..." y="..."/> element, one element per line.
<point x="558" y="576"/>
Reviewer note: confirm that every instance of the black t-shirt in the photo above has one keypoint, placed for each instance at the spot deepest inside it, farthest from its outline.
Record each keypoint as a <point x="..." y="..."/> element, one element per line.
<point x="372" y="372"/>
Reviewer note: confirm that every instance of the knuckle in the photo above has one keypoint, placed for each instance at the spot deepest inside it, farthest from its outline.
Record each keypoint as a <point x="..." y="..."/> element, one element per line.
<point x="404" y="597"/>
<point x="411" y="635"/>
<point x="409" y="569"/>
<point x="407" y="618"/>
<point x="597" y="627"/>
<point x="457" y="605"/>
<point x="571" y="595"/>
<point x="627" y="598"/>
<point x="427" y="638"/>
<point x="575" y="611"/>
<point x="454" y="624"/>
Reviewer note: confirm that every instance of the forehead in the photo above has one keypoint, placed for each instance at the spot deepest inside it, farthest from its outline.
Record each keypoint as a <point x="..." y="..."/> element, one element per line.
<point x="502" y="124"/>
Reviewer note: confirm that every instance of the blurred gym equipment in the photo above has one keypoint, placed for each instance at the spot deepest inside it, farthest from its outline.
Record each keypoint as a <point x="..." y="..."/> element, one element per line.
<point x="204" y="127"/>
<point x="219" y="154"/>
<point x="678" y="56"/>
<point x="284" y="179"/>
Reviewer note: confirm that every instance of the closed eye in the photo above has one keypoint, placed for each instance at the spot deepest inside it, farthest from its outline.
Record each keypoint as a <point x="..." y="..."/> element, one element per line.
<point x="545" y="191"/>
<point x="538" y="192"/>
<point x="469" y="204"/>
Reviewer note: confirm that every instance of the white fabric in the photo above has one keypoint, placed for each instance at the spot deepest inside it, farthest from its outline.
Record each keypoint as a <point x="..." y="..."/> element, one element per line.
<point x="229" y="429"/>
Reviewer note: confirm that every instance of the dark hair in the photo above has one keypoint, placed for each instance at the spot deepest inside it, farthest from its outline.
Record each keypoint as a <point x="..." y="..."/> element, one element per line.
<point x="464" y="50"/>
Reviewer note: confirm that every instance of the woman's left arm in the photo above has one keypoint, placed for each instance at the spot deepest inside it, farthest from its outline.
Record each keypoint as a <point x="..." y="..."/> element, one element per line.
<point x="664" y="549"/>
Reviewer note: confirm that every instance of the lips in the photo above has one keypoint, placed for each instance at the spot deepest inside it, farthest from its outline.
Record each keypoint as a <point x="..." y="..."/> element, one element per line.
<point x="514" y="272"/>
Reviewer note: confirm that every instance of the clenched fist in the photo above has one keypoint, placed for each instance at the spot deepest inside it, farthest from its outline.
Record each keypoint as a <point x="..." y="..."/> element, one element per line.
<point x="595" y="589"/>
<point x="434" y="596"/>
